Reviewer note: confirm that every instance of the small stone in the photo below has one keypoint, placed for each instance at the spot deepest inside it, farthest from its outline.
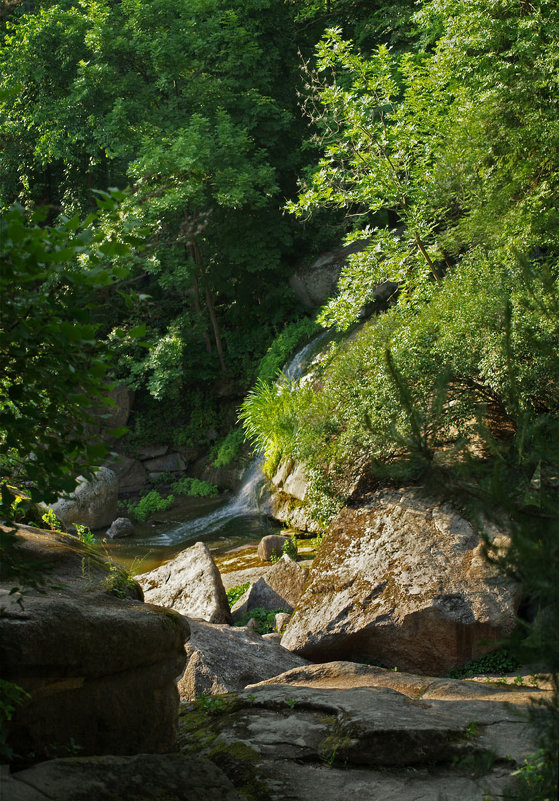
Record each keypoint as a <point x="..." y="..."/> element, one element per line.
<point x="281" y="620"/>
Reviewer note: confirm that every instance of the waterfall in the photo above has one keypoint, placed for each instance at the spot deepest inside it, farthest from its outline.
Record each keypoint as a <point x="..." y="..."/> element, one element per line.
<point x="246" y="502"/>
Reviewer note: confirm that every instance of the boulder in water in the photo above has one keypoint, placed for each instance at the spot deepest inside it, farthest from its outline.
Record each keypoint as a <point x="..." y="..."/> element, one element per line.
<point x="271" y="545"/>
<point x="121" y="527"/>
<point x="191" y="584"/>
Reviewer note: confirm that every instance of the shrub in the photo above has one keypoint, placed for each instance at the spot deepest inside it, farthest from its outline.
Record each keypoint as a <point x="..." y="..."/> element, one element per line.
<point x="194" y="487"/>
<point x="264" y="619"/>
<point x="234" y="593"/>
<point x="148" y="504"/>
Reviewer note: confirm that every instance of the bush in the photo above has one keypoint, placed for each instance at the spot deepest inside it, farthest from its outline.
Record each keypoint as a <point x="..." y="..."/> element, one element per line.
<point x="264" y="618"/>
<point x="194" y="487"/>
<point x="150" y="503"/>
<point x="497" y="662"/>
<point x="234" y="593"/>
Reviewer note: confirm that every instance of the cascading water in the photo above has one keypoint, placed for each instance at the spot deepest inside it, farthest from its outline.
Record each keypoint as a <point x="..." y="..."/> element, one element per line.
<point x="243" y="517"/>
<point x="248" y="500"/>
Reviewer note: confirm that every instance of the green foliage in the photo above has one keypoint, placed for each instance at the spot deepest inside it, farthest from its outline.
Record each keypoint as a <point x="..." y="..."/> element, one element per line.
<point x="148" y="504"/>
<point x="54" y="370"/>
<point x="284" y="346"/>
<point x="497" y="662"/>
<point x="120" y="583"/>
<point x="51" y="521"/>
<point x="11" y="696"/>
<point x="194" y="487"/>
<point x="264" y="619"/>
<point x="230" y="448"/>
<point x="290" y="547"/>
<point x="234" y="593"/>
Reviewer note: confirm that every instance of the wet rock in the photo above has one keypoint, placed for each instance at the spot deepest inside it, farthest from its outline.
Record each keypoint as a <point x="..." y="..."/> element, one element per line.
<point x="86" y="655"/>
<point x="147" y="777"/>
<point x="222" y="659"/>
<point x="314" y="284"/>
<point x="271" y="545"/>
<point x="121" y="527"/>
<point x="191" y="584"/>
<point x="93" y="503"/>
<point x="401" y="580"/>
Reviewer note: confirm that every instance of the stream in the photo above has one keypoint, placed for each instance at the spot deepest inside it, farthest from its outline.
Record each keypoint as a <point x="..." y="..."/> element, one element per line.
<point x="225" y="525"/>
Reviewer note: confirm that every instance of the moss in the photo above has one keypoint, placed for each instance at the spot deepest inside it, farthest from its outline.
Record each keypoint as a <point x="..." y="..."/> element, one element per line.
<point x="200" y="727"/>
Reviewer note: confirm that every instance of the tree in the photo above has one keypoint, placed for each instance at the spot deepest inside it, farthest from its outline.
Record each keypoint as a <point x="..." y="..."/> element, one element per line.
<point x="53" y="369"/>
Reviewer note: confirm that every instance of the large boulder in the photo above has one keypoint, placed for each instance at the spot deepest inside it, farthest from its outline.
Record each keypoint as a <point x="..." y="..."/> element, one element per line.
<point x="99" y="665"/>
<point x="132" y="475"/>
<point x="93" y="503"/>
<point x="222" y="659"/>
<point x="148" y="777"/>
<point x="191" y="584"/>
<point x="342" y="732"/>
<point x="280" y="588"/>
<point x="401" y="580"/>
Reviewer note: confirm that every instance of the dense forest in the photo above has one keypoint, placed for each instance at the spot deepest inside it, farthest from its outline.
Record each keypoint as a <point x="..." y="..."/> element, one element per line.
<point x="166" y="166"/>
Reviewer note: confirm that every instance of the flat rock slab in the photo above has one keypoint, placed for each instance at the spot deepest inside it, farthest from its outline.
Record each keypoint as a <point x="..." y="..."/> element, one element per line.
<point x="146" y="777"/>
<point x="370" y="742"/>
<point x="191" y="584"/>
<point x="222" y="659"/>
<point x="401" y="580"/>
<point x="347" y="675"/>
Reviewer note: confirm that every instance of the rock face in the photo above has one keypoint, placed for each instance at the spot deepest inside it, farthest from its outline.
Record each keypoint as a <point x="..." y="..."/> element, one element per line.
<point x="191" y="584"/>
<point x="132" y="475"/>
<point x="100" y="669"/>
<point x="147" y="777"/>
<point x="402" y="581"/>
<point x="288" y="502"/>
<point x="280" y="588"/>
<point x="315" y="284"/>
<point x="169" y="463"/>
<point x="222" y="659"/>
<point x="340" y="732"/>
<point x="93" y="503"/>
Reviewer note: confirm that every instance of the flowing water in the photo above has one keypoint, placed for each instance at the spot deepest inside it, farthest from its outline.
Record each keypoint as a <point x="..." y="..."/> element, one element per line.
<point x="237" y="523"/>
